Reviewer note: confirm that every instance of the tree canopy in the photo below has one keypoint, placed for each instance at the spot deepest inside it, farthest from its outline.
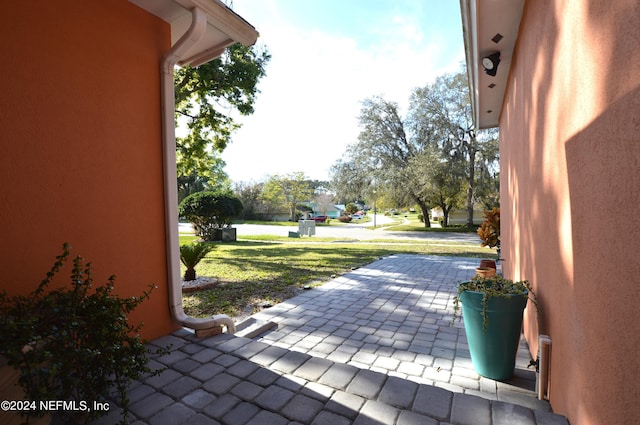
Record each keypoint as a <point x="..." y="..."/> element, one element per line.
<point x="289" y="189"/>
<point x="207" y="98"/>
<point x="441" y="111"/>
<point x="394" y="158"/>
<point x="432" y="157"/>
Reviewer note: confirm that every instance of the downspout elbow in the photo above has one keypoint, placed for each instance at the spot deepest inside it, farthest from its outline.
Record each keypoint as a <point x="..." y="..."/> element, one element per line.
<point x="210" y="322"/>
<point x="195" y="32"/>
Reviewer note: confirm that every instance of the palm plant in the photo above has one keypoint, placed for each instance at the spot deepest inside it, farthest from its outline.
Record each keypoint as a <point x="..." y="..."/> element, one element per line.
<point x="190" y="255"/>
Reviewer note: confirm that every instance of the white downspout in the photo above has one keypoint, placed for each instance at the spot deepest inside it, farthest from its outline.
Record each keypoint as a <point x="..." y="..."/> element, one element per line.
<point x="544" y="360"/>
<point x="171" y="58"/>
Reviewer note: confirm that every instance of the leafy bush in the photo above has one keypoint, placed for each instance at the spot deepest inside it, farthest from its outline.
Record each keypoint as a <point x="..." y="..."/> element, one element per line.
<point x="209" y="212"/>
<point x="71" y="343"/>
<point x="190" y="255"/>
<point x="344" y="219"/>
<point x="351" y="208"/>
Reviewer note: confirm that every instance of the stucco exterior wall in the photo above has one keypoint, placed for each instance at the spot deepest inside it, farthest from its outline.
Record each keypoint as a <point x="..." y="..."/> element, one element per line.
<point x="570" y="170"/>
<point x="80" y="135"/>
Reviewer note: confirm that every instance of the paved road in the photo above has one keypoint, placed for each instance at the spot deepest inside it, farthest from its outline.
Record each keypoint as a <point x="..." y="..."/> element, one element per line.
<point x="352" y="231"/>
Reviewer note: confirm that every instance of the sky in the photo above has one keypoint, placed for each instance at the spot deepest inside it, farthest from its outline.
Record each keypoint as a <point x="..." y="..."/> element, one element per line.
<point x="327" y="57"/>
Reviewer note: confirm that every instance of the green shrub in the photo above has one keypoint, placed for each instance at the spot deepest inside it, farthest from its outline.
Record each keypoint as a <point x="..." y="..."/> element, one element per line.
<point x="74" y="343"/>
<point x="209" y="212"/>
<point x="351" y="208"/>
<point x="190" y="255"/>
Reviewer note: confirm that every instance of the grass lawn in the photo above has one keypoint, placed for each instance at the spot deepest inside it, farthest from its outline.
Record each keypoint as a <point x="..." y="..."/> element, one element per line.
<point x="329" y="222"/>
<point x="254" y="272"/>
<point x="270" y="223"/>
<point x="418" y="226"/>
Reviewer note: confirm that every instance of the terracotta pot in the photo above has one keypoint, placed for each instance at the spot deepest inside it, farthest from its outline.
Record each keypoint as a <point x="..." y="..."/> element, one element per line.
<point x="485" y="272"/>
<point x="489" y="264"/>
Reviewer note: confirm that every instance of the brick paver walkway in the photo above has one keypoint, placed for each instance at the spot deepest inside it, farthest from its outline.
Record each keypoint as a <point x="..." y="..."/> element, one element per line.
<point x="394" y="316"/>
<point x="374" y="346"/>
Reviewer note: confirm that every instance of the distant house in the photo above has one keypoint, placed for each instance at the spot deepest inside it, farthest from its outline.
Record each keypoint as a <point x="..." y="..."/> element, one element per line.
<point x="282" y="216"/>
<point x="338" y="211"/>
<point x="305" y="211"/>
<point x="458" y="216"/>
<point x="88" y="144"/>
<point x="331" y="211"/>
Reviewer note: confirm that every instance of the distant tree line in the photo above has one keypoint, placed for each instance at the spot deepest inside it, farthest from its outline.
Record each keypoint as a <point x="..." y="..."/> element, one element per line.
<point x="282" y="195"/>
<point x="431" y="157"/>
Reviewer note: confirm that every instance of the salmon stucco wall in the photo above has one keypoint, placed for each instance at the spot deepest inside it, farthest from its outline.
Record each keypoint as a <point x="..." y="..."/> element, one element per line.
<point x="81" y="157"/>
<point x="570" y="171"/>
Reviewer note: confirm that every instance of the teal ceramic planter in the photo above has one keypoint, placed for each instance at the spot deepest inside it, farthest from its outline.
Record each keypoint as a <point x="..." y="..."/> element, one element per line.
<point x="494" y="351"/>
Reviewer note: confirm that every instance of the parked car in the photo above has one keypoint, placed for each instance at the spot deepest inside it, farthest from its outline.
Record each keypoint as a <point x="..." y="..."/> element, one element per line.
<point x="320" y="218"/>
<point x="356" y="216"/>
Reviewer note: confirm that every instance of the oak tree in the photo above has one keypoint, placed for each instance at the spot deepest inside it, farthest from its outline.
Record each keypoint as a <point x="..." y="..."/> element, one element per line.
<point x="207" y="99"/>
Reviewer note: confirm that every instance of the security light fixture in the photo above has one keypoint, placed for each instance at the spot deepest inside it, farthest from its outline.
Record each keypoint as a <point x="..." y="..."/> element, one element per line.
<point x="490" y="63"/>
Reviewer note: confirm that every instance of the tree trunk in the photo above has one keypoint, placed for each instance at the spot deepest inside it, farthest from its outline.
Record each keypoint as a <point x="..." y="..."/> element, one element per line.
<point x="445" y="210"/>
<point x="445" y="216"/>
<point x="292" y="210"/>
<point x="425" y="213"/>
<point x="189" y="274"/>
<point x="472" y="178"/>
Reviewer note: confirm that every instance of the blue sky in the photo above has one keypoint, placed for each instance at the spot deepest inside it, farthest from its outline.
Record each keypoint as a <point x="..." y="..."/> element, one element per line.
<point x="327" y="57"/>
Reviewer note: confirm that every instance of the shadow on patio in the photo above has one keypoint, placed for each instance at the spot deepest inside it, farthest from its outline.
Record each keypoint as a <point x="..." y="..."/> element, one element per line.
<point x="374" y="346"/>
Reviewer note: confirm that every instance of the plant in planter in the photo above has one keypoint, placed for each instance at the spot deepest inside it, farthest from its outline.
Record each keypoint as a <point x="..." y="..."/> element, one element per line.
<point x="74" y="343"/>
<point x="191" y="255"/>
<point x="489" y="233"/>
<point x="492" y="309"/>
<point x="489" y="230"/>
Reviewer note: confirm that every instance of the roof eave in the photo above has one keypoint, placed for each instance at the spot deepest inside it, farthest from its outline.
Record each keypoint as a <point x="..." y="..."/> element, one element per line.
<point x="488" y="27"/>
<point x="224" y="26"/>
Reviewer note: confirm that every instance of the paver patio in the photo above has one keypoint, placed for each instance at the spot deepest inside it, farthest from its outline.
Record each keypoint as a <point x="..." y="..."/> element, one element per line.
<point x="395" y="316"/>
<point x="374" y="346"/>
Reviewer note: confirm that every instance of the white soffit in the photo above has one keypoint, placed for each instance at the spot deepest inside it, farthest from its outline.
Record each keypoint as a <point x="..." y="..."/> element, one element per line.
<point x="489" y="26"/>
<point x="224" y="26"/>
